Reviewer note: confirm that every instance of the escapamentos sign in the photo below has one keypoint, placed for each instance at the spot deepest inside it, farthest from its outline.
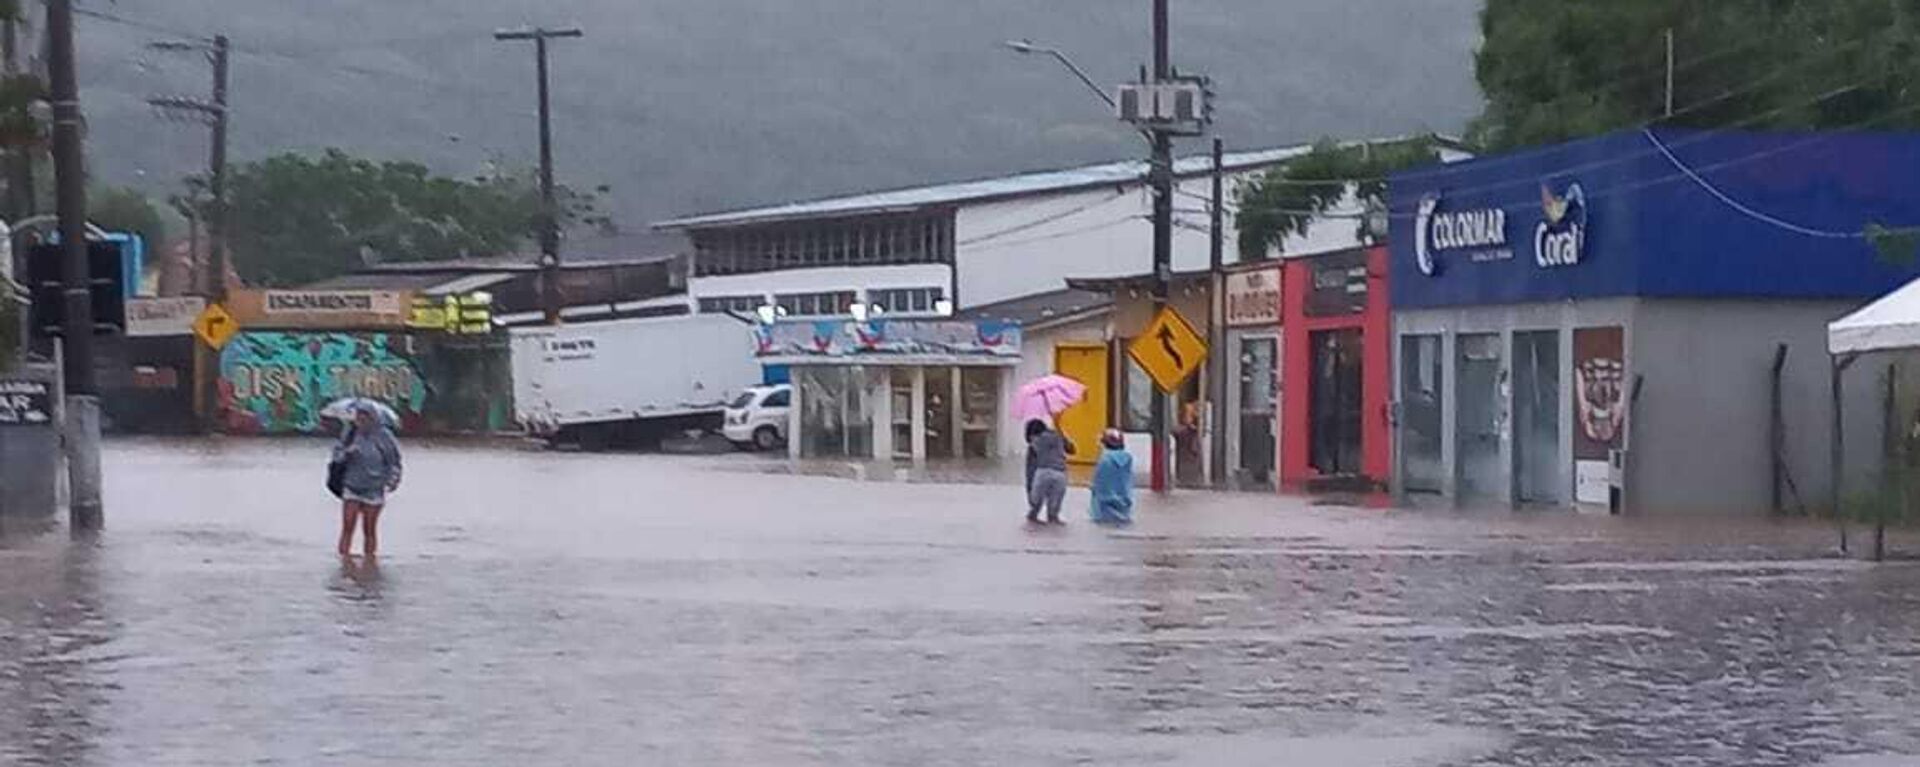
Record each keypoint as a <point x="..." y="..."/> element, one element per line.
<point x="332" y="302"/>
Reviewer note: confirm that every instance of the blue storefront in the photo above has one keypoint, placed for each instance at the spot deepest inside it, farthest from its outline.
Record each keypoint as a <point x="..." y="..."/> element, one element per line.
<point x="1603" y="322"/>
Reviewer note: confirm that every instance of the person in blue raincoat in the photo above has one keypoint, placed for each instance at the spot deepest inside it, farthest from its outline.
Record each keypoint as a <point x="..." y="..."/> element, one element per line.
<point x="1113" y="481"/>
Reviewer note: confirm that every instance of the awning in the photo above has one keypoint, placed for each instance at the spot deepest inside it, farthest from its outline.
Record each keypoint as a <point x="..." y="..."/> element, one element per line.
<point x="1892" y="322"/>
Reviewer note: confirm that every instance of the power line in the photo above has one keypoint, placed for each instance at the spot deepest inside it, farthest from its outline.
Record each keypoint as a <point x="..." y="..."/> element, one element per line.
<point x="1043" y="220"/>
<point x="1744" y="209"/>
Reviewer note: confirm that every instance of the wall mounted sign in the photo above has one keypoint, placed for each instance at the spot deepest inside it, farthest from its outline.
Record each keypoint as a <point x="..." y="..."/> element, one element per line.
<point x="25" y="402"/>
<point x="1253" y="297"/>
<point x="1560" y="239"/>
<point x="1599" y="407"/>
<point x="1339" y="284"/>
<point x="1475" y="234"/>
<point x="163" y="316"/>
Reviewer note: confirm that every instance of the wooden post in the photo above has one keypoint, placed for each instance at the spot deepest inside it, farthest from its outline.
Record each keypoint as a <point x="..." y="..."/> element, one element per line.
<point x="1776" y="427"/>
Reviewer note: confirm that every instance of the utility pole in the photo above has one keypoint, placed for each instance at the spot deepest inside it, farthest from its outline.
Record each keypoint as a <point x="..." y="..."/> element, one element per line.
<point x="1217" y="320"/>
<point x="214" y="113"/>
<point x="1669" y="39"/>
<point x="82" y="436"/>
<point x="1160" y="176"/>
<point x="549" y="211"/>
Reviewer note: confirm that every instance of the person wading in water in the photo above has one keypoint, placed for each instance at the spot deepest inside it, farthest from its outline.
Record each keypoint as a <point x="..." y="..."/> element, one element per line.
<point x="369" y="459"/>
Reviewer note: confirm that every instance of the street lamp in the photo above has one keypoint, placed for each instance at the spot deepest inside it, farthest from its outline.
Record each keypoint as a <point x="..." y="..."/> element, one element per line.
<point x="1028" y="46"/>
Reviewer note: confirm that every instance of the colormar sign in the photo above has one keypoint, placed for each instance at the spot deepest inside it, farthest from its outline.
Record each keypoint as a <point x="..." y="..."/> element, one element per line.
<point x="1253" y="297"/>
<point x="320" y="309"/>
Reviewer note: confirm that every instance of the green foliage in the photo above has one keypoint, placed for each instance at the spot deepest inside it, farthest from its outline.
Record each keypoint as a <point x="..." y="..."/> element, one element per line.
<point x="120" y="209"/>
<point x="1553" y="71"/>
<point x="296" y="219"/>
<point x="1285" y="200"/>
<point x="1896" y="247"/>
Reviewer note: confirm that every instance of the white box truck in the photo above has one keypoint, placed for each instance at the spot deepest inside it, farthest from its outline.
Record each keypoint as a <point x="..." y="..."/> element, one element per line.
<point x="634" y="381"/>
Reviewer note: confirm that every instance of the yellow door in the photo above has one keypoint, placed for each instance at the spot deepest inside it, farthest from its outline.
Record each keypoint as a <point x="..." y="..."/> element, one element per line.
<point x="1083" y="423"/>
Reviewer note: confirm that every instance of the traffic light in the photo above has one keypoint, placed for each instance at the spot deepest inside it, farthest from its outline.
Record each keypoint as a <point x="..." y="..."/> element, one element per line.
<point x="106" y="281"/>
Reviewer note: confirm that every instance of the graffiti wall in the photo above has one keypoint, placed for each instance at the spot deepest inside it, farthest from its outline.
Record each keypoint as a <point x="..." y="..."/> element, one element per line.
<point x="277" y="383"/>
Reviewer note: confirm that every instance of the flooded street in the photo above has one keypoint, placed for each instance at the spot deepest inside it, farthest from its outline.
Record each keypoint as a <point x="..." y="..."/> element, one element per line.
<point x="535" y="608"/>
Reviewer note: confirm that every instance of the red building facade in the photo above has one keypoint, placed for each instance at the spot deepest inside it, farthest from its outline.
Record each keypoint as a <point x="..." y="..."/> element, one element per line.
<point x="1336" y="372"/>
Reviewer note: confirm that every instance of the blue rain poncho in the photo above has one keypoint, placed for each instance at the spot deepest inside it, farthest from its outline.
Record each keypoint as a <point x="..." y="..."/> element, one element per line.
<point x="1113" y="488"/>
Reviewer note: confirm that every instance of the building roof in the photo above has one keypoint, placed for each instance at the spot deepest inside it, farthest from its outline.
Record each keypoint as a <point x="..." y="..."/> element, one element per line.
<point x="981" y="190"/>
<point x="1110" y="285"/>
<point x="1042" y="309"/>
<point x="509" y="263"/>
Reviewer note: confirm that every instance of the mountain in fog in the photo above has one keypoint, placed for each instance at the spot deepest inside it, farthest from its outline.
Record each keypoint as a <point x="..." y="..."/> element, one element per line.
<point x="693" y="105"/>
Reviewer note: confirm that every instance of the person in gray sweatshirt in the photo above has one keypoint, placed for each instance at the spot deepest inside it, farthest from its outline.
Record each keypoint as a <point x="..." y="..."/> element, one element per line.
<point x="1047" y="452"/>
<point x="371" y="459"/>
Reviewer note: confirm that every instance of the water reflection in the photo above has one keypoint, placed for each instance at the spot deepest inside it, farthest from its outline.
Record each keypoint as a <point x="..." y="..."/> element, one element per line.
<point x="52" y="628"/>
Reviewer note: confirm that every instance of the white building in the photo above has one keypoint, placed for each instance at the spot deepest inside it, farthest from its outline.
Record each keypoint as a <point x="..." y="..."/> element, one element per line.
<point x="936" y="250"/>
<point x="959" y="245"/>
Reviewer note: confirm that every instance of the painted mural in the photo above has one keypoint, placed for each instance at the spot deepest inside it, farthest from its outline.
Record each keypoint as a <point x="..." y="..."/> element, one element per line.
<point x="277" y="383"/>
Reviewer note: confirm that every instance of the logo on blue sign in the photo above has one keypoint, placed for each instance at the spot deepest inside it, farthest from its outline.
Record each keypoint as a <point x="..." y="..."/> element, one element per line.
<point x="1480" y="234"/>
<point x="1560" y="239"/>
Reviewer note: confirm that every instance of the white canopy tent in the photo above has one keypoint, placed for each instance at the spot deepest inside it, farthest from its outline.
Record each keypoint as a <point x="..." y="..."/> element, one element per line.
<point x="1890" y="323"/>
<point x="1887" y="324"/>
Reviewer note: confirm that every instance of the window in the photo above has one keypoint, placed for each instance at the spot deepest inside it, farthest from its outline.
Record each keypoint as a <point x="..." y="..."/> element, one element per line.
<point x="913" y="238"/>
<point x="816" y="304"/>
<point x="906" y="300"/>
<point x="733" y="304"/>
<point x="778" y="399"/>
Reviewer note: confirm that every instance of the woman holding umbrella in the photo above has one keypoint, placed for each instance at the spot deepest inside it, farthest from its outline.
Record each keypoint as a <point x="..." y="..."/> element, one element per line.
<point x="1037" y="403"/>
<point x="367" y="464"/>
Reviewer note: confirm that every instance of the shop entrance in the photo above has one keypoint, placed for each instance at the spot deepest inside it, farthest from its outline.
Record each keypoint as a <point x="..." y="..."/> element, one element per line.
<point x="1421" y="394"/>
<point x="1334" y="408"/>
<point x="1536" y="418"/>
<point x="1478" y="416"/>
<point x="1259" y="376"/>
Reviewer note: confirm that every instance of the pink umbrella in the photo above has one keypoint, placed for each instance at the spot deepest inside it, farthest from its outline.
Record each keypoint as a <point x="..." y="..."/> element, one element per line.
<point x="1045" y="397"/>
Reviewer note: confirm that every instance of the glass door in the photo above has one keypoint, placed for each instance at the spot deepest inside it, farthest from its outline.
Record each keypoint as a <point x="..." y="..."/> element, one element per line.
<point x="1259" y="390"/>
<point x="1421" y="395"/>
<point x="1478" y="416"/>
<point x="1536" y="418"/>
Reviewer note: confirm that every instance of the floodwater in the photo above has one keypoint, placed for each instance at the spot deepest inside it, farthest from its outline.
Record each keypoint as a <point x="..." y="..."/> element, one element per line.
<point x="538" y="608"/>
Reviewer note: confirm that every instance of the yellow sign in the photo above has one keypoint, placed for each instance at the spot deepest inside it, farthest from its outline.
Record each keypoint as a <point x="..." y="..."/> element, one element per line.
<point x="1170" y="351"/>
<point x="215" y="326"/>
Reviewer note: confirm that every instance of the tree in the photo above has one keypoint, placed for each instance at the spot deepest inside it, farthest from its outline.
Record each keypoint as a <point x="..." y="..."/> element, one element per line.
<point x="1553" y="71"/>
<point x="1286" y="200"/>
<point x="296" y="219"/>
<point x="120" y="209"/>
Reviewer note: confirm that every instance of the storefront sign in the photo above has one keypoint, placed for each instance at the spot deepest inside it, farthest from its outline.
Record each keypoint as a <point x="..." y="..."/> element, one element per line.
<point x="1253" y="297"/>
<point x="1475" y="234"/>
<point x="922" y="338"/>
<point x="1339" y="284"/>
<point x="25" y="402"/>
<point x="332" y="302"/>
<point x="1560" y="239"/>
<point x="319" y="309"/>
<point x="1599" y="396"/>
<point x="163" y="316"/>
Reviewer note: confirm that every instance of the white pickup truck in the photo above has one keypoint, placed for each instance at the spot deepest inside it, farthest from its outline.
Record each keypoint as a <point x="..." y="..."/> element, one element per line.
<point x="598" y="384"/>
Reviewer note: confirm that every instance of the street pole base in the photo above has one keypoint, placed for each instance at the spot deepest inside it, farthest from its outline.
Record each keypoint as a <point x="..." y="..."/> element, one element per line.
<point x="85" y="511"/>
